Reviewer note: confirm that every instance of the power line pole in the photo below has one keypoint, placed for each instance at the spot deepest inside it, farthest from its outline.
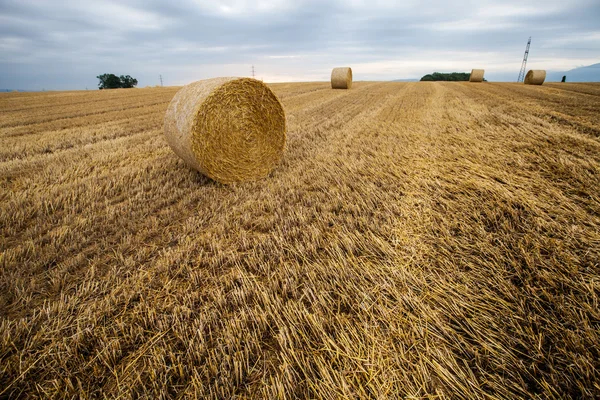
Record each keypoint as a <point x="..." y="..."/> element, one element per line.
<point x="252" y="71"/>
<point x="524" y="63"/>
<point x="161" y="82"/>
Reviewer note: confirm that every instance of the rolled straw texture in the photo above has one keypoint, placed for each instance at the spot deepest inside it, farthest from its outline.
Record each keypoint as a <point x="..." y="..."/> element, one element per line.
<point x="341" y="78"/>
<point x="476" y="75"/>
<point x="229" y="129"/>
<point x="535" y="77"/>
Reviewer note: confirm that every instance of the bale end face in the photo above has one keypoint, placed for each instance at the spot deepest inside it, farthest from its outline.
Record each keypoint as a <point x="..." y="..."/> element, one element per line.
<point x="476" y="75"/>
<point x="229" y="129"/>
<point x="535" y="77"/>
<point x="341" y="78"/>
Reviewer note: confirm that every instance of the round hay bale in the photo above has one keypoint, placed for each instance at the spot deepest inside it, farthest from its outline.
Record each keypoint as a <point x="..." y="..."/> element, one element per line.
<point x="476" y="75"/>
<point x="341" y="78"/>
<point x="229" y="129"/>
<point x="535" y="77"/>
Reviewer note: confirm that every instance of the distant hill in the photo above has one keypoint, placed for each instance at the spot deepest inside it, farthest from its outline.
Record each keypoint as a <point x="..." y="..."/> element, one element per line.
<point x="591" y="73"/>
<point x="15" y="90"/>
<point x="405" y="80"/>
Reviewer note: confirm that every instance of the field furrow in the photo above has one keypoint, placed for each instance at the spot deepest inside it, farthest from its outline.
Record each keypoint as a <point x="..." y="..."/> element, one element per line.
<point x="564" y="108"/>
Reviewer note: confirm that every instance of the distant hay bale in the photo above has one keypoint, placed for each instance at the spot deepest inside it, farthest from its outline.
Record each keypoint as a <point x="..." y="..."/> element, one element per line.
<point x="341" y="78"/>
<point x="535" y="77"/>
<point x="476" y="75"/>
<point x="229" y="129"/>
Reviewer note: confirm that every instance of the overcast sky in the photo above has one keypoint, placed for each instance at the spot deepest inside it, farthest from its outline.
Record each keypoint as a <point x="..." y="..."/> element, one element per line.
<point x="46" y="44"/>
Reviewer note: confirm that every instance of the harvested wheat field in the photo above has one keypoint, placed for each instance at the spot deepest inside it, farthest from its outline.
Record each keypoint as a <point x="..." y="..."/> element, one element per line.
<point x="436" y="240"/>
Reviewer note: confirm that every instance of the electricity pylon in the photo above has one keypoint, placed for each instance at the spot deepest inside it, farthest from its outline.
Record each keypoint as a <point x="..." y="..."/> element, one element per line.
<point x="524" y="64"/>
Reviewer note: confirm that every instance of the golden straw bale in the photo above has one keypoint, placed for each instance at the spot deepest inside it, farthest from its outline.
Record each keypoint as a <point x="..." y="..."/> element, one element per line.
<point x="535" y="77"/>
<point x="476" y="75"/>
<point x="229" y="129"/>
<point x="341" y="78"/>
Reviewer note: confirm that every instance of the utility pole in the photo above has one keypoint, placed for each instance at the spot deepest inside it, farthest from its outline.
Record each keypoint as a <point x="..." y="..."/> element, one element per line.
<point x="161" y="82"/>
<point x="524" y="63"/>
<point x="252" y="71"/>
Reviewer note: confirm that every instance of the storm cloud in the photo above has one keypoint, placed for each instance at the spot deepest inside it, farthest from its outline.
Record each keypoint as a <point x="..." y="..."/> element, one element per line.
<point x="65" y="44"/>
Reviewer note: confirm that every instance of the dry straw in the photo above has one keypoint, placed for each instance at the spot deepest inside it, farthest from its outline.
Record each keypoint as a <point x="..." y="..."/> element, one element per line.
<point x="476" y="75"/>
<point x="535" y="77"/>
<point x="230" y="129"/>
<point x="341" y="78"/>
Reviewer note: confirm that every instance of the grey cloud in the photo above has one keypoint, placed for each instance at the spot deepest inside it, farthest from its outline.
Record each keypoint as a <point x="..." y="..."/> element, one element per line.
<point x="62" y="45"/>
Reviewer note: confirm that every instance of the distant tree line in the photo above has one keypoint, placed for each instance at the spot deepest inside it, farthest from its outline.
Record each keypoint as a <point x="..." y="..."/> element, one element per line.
<point x="453" y="76"/>
<point x="111" y="81"/>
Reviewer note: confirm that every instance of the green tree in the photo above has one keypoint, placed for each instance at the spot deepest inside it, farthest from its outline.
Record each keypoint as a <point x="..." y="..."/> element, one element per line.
<point x="128" y="82"/>
<point x="453" y="76"/>
<point x="108" y="81"/>
<point x="111" y="81"/>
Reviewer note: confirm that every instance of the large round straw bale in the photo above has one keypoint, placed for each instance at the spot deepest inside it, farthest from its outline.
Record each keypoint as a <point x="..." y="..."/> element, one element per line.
<point x="341" y="78"/>
<point x="476" y="75"/>
<point x="535" y="77"/>
<point x="229" y="129"/>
